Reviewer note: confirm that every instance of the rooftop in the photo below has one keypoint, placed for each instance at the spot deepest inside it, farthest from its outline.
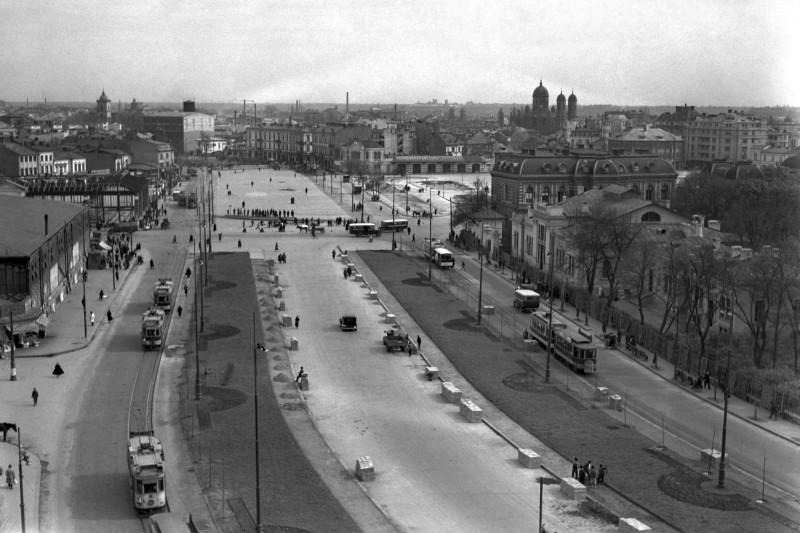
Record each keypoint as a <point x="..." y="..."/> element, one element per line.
<point x="26" y="216"/>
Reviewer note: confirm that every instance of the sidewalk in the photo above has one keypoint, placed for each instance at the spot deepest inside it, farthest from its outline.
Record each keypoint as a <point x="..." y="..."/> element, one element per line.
<point x="10" y="511"/>
<point x="737" y="407"/>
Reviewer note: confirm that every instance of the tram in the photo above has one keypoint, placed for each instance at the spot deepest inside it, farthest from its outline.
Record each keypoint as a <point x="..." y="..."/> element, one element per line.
<point x="572" y="344"/>
<point x="146" y="469"/>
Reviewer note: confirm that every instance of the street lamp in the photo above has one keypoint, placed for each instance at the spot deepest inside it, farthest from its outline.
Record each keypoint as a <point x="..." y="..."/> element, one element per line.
<point x="550" y="317"/>
<point x="725" y="394"/>
<point x="480" y="282"/>
<point x="430" y="234"/>
<point x="394" y="229"/>
<point x="542" y="482"/>
<point x="256" y="348"/>
<point x="196" y="329"/>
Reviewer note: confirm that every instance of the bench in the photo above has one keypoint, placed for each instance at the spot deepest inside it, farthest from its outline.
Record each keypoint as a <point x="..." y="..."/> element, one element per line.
<point x="528" y="458"/>
<point x="572" y="488"/>
<point x="450" y="392"/>
<point x="431" y="372"/>
<point x="470" y="411"/>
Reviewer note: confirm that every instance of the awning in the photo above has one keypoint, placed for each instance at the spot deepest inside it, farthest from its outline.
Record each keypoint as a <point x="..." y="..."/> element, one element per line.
<point x="104" y="246"/>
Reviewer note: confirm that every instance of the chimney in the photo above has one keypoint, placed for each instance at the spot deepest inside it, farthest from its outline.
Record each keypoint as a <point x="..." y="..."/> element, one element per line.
<point x="45" y="224"/>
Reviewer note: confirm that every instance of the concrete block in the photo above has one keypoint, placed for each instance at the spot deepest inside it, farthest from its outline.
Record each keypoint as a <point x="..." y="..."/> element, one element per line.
<point x="294" y="344"/>
<point x="432" y="372"/>
<point x="488" y="309"/>
<point x="572" y="488"/>
<point x="303" y="383"/>
<point x="632" y="525"/>
<point x="373" y="294"/>
<point x="365" y="469"/>
<point x="713" y="456"/>
<point x="358" y="277"/>
<point x="390" y="318"/>
<point x="600" y="393"/>
<point x="615" y="402"/>
<point x="470" y="411"/>
<point x="528" y="458"/>
<point x="286" y="320"/>
<point x="450" y="392"/>
<point x="276" y="279"/>
<point x="343" y="258"/>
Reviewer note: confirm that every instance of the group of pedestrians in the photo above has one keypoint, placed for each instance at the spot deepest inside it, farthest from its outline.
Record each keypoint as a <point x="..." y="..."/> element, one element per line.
<point x="587" y="474"/>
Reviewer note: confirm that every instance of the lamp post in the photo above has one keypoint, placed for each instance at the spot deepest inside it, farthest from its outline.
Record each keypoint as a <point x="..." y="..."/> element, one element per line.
<point x="550" y="317"/>
<point x="725" y="395"/>
<point x="21" y="484"/>
<point x="256" y="348"/>
<point x="83" y="301"/>
<point x="13" y="361"/>
<point x="542" y="482"/>
<point x="480" y="282"/>
<point x="394" y="229"/>
<point x="430" y="234"/>
<point x="196" y="329"/>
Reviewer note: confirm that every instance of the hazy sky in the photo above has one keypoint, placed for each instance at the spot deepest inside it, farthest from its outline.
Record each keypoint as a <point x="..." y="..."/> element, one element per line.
<point x="700" y="52"/>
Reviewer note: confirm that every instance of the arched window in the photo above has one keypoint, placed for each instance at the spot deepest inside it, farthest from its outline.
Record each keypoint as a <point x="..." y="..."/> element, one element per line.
<point x="561" y="194"/>
<point x="648" y="194"/>
<point x="635" y="187"/>
<point x="651" y="216"/>
<point x="546" y="194"/>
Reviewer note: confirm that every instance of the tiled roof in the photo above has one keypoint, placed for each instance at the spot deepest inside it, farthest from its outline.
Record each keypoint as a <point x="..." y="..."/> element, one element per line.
<point x="18" y="149"/>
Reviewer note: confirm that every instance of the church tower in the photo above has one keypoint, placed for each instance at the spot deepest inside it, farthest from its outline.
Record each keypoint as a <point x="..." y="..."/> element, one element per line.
<point x="561" y="107"/>
<point x="572" y="107"/>
<point x="103" y="107"/>
<point x="541" y="99"/>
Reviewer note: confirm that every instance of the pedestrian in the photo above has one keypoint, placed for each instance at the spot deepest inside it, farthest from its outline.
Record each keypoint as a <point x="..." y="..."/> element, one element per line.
<point x="592" y="476"/>
<point x="11" y="477"/>
<point x="220" y="237"/>
<point x="186" y="289"/>
<point x="419" y="221"/>
<point x="419" y="342"/>
<point x="333" y="254"/>
<point x="463" y="265"/>
<point x="102" y="294"/>
<point x="91" y="317"/>
<point x="601" y="474"/>
<point x="109" y="316"/>
<point x="575" y="468"/>
<point x="410" y="349"/>
<point x="300" y="375"/>
<point x="297" y="321"/>
<point x="773" y="410"/>
<point x="188" y="272"/>
<point x="35" y="396"/>
<point x="239" y="244"/>
<point x="152" y="265"/>
<point x="409" y="230"/>
<point x="180" y="310"/>
<point x="414" y="238"/>
<point x="707" y="379"/>
<point x="58" y="371"/>
<point x="276" y="246"/>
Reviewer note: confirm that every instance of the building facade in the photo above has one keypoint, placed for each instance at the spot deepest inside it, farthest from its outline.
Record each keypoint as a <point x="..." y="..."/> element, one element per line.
<point x="183" y="130"/>
<point x="727" y="137"/>
<point x="648" y="140"/>
<point x="17" y="161"/>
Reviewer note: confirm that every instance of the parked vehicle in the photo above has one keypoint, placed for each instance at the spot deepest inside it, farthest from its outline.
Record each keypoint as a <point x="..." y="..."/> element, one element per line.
<point x="526" y="300"/>
<point x="348" y="322"/>
<point x="394" y="340"/>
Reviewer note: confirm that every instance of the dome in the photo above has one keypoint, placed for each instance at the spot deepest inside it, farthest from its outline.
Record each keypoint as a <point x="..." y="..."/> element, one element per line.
<point x="573" y="98"/>
<point x="541" y="91"/>
<point x="792" y="162"/>
<point x="561" y="98"/>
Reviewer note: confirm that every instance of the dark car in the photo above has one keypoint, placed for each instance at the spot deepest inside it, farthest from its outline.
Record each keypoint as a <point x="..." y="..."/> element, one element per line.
<point x="348" y="322"/>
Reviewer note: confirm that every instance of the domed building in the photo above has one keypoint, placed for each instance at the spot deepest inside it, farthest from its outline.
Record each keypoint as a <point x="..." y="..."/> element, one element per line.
<point x="561" y="107"/>
<point x="541" y="99"/>
<point x="572" y="107"/>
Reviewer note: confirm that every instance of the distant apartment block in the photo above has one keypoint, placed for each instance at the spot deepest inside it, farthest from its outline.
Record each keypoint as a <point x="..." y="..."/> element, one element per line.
<point x="648" y="140"/>
<point x="183" y="130"/>
<point x="729" y="137"/>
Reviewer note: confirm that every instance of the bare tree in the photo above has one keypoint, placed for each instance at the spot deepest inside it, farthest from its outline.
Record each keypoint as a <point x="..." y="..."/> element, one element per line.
<point x="637" y="271"/>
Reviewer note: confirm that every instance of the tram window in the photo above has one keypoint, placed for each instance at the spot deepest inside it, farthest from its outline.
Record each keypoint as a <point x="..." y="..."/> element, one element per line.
<point x="139" y="486"/>
<point x="161" y="485"/>
<point x="150" y="488"/>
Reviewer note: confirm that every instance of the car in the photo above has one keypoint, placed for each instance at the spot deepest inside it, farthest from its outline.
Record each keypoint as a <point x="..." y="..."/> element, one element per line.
<point x="348" y="322"/>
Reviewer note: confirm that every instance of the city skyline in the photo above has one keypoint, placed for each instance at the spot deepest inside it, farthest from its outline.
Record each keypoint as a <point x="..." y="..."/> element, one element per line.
<point x="704" y="53"/>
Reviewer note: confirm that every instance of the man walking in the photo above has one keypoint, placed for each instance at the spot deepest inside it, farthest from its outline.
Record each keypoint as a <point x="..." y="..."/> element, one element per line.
<point x="297" y="321"/>
<point x="180" y="310"/>
<point x="419" y="343"/>
<point x="575" y="468"/>
<point x="35" y="396"/>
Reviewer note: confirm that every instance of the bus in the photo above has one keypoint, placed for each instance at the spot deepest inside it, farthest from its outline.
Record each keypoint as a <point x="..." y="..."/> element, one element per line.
<point x="573" y="345"/>
<point x="361" y="228"/>
<point x="396" y="224"/>
<point x="443" y="258"/>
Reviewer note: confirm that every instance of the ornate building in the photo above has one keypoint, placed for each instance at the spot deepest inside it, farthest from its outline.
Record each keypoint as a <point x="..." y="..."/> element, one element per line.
<point x="103" y="109"/>
<point x="542" y="117"/>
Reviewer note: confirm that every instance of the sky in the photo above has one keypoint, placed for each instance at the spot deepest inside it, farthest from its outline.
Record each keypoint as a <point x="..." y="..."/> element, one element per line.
<point x="737" y="53"/>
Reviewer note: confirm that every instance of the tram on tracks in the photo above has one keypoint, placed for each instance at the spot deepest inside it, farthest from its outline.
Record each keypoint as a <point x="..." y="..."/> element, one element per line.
<point x="573" y="345"/>
<point x="146" y="469"/>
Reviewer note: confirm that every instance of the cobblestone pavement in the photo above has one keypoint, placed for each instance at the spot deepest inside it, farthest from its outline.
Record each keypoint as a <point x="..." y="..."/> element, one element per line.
<point x="670" y="488"/>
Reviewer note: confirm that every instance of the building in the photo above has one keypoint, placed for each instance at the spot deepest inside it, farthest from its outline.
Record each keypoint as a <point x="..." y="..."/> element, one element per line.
<point x="41" y="260"/>
<point x="68" y="163"/>
<point x="106" y="160"/>
<point x="155" y="154"/>
<point x="17" y="161"/>
<point x="182" y="129"/>
<point x="212" y="145"/>
<point x="7" y="132"/>
<point x="648" y="140"/>
<point x="727" y="137"/>
<point x="522" y="180"/>
<point x="103" y="109"/>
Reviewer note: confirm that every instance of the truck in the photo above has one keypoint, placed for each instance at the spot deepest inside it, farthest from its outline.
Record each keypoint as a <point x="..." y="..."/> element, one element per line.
<point x="152" y="328"/>
<point x="526" y="300"/>
<point x="394" y="340"/>
<point x="162" y="294"/>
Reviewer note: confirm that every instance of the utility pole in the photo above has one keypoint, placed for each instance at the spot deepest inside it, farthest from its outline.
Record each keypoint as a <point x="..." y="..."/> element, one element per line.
<point x="259" y="525"/>
<point x="480" y="282"/>
<point x="21" y="484"/>
<point x="13" y="362"/>
<point x="430" y="234"/>
<point x="550" y="317"/>
<point x="726" y="394"/>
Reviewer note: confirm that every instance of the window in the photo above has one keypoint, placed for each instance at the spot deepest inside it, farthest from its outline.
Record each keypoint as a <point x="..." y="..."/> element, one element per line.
<point x="651" y="216"/>
<point x="528" y="245"/>
<point x="542" y="232"/>
<point x="648" y="195"/>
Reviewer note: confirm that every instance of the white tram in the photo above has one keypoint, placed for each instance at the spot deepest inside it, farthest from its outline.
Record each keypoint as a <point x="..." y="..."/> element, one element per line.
<point x="146" y="469"/>
<point x="572" y="344"/>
